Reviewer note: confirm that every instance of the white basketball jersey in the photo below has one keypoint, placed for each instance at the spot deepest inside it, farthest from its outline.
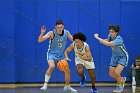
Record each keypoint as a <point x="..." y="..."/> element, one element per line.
<point x="81" y="51"/>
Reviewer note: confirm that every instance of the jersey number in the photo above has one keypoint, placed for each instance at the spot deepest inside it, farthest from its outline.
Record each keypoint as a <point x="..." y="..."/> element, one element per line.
<point x="60" y="43"/>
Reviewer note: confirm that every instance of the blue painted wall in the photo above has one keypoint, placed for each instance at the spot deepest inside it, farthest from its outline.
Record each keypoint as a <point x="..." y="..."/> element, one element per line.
<point x="23" y="59"/>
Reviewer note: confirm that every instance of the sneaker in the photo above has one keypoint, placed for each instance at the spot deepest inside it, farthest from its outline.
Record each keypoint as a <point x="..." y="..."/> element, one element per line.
<point x="133" y="83"/>
<point x="133" y="89"/>
<point x="44" y="88"/>
<point x="118" y="89"/>
<point x="68" y="88"/>
<point x="123" y="81"/>
<point x="82" y="82"/>
<point x="94" y="90"/>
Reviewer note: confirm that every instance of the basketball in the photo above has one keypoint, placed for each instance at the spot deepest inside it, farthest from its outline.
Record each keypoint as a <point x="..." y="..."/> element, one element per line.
<point x="62" y="65"/>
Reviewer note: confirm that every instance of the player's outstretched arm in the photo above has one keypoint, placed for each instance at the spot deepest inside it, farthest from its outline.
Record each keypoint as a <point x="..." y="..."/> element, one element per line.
<point x="105" y="42"/>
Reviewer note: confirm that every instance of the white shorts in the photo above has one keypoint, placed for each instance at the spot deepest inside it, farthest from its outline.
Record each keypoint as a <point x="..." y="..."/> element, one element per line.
<point x="86" y="64"/>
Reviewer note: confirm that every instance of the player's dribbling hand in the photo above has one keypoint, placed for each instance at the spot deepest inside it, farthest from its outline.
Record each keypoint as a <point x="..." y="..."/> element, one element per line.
<point x="68" y="59"/>
<point x="43" y="29"/>
<point x="96" y="36"/>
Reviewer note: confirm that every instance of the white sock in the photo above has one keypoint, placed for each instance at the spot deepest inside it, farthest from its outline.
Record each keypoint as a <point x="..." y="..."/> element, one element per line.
<point x="133" y="78"/>
<point x="67" y="85"/>
<point x="47" y="78"/>
<point x="118" y="84"/>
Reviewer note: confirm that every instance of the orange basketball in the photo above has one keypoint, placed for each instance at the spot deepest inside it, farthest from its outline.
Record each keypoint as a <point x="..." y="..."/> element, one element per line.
<point x="62" y="65"/>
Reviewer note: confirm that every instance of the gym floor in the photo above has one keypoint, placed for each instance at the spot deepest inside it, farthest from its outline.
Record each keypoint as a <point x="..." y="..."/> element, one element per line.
<point x="60" y="90"/>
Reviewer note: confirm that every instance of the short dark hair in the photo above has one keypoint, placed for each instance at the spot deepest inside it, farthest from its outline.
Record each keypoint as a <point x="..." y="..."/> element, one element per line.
<point x="58" y="22"/>
<point x="80" y="36"/>
<point x="114" y="27"/>
<point x="137" y="58"/>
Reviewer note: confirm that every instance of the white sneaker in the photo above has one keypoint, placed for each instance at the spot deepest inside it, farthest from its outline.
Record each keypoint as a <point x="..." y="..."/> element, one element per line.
<point x="133" y="89"/>
<point x="44" y="88"/>
<point x="123" y="81"/>
<point x="68" y="88"/>
<point x="133" y="83"/>
<point x="118" y="89"/>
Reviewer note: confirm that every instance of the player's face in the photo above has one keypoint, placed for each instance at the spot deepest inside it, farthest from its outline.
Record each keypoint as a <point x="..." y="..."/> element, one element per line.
<point x="112" y="33"/>
<point x="59" y="28"/>
<point x="138" y="61"/>
<point x="78" y="43"/>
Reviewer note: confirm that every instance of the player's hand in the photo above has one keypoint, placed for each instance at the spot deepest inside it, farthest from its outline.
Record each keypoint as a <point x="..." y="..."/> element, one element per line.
<point x="79" y="55"/>
<point x="68" y="59"/>
<point x="96" y="36"/>
<point x="43" y="29"/>
<point x="137" y="67"/>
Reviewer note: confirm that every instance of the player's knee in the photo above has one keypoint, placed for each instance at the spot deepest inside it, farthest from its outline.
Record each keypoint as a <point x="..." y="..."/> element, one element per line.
<point x="79" y="71"/>
<point x="51" y="67"/>
<point x="67" y="70"/>
<point x="111" y="74"/>
<point x="92" y="76"/>
<point x="117" y="73"/>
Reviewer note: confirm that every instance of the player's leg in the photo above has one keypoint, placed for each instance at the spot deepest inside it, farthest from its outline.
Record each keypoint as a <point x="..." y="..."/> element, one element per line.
<point x="133" y="76"/>
<point x="80" y="69"/>
<point x="67" y="75"/>
<point x="49" y="71"/>
<point x="111" y="72"/>
<point x="118" y="70"/>
<point x="92" y="77"/>
<point x="67" y="78"/>
<point x="112" y="67"/>
<point x="90" y="67"/>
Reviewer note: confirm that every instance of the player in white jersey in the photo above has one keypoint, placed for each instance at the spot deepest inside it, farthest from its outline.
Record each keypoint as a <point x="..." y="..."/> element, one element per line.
<point x="83" y="58"/>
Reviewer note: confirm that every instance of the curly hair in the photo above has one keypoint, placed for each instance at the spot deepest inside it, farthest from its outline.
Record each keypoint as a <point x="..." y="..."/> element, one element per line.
<point x="80" y="36"/>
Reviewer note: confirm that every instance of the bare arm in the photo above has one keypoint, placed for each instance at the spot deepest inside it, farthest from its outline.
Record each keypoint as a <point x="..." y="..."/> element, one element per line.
<point x="105" y="42"/>
<point x="70" y="36"/>
<point x="43" y="37"/>
<point x="70" y="48"/>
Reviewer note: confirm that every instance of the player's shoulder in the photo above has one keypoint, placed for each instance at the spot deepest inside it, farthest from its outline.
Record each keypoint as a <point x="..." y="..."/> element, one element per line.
<point x="67" y="31"/>
<point x="85" y="43"/>
<point x="118" y="37"/>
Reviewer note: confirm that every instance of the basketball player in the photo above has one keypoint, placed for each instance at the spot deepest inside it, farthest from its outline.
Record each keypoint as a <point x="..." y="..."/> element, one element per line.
<point x="58" y="39"/>
<point x="119" y="57"/>
<point x="83" y="58"/>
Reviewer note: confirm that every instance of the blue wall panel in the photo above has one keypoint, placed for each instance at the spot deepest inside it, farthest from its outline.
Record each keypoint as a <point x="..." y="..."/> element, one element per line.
<point x="7" y="41"/>
<point x="25" y="42"/>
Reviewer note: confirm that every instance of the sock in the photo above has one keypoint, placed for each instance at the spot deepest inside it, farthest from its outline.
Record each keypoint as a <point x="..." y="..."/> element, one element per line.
<point x="83" y="78"/>
<point x="93" y="87"/>
<point x="67" y="85"/>
<point x="47" y="77"/>
<point x="133" y="78"/>
<point x="119" y="85"/>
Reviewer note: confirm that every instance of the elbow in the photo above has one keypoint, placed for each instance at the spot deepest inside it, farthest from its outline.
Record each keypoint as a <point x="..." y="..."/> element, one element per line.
<point x="39" y="40"/>
<point x="108" y="44"/>
<point x="65" y="53"/>
<point x="90" y="60"/>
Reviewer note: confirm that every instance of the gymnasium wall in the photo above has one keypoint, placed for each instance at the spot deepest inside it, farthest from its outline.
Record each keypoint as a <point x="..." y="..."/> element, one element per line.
<point x="23" y="59"/>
